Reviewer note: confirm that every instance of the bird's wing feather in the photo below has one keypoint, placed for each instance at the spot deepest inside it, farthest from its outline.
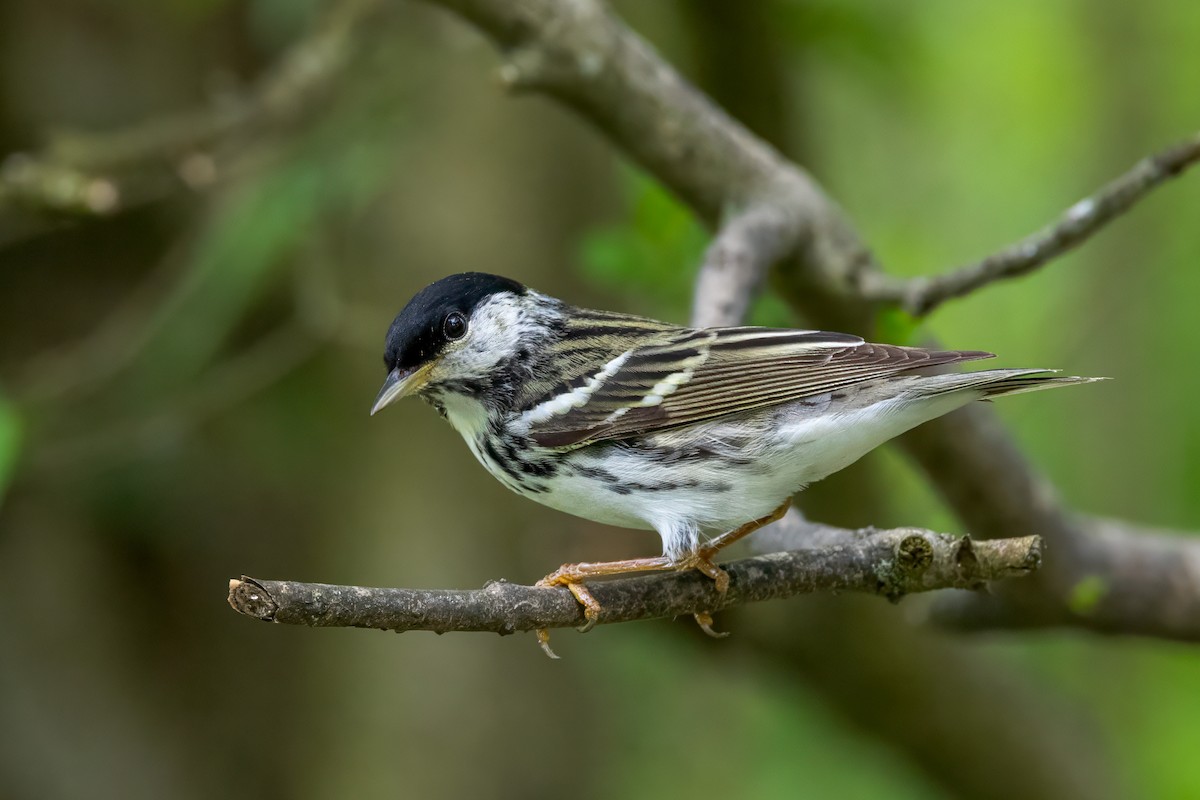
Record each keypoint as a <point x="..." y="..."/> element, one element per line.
<point x="695" y="375"/>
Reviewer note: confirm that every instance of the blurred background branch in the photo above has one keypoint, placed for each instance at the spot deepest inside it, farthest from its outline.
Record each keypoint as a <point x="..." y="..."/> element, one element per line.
<point x="102" y="173"/>
<point x="736" y="264"/>
<point x="1148" y="576"/>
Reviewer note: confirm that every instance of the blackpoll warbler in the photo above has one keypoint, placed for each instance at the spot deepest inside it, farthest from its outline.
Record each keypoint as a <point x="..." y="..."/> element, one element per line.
<point x="702" y="435"/>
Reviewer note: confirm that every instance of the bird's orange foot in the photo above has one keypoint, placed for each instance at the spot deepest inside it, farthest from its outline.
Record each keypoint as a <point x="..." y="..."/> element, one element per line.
<point x="705" y="621"/>
<point x="573" y="575"/>
<point x="702" y="561"/>
<point x="566" y="576"/>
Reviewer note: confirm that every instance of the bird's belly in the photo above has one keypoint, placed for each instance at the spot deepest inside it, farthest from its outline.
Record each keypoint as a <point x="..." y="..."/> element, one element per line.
<point x="647" y="484"/>
<point x="698" y="480"/>
<point x="615" y="485"/>
<point x="590" y="499"/>
<point x="623" y="486"/>
<point x="552" y="480"/>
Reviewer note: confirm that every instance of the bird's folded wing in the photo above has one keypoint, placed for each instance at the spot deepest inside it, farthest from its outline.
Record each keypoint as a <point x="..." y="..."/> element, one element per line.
<point x="702" y="374"/>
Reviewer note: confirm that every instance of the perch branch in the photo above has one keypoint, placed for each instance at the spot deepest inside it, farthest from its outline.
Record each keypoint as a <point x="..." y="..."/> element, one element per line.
<point x="1077" y="224"/>
<point x="890" y="563"/>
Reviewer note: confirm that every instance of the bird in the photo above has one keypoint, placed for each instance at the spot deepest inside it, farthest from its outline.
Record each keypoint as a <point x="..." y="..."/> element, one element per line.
<point x="700" y="434"/>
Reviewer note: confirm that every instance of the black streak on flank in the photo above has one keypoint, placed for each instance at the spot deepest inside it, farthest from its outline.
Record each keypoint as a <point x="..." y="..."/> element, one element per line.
<point x="689" y="454"/>
<point x="614" y="484"/>
<point x="541" y="468"/>
<point x="494" y="455"/>
<point x="595" y="473"/>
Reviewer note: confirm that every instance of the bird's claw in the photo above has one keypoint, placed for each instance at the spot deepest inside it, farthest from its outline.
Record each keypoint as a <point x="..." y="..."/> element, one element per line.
<point x="705" y="621"/>
<point x="591" y="606"/>
<point x="702" y="561"/>
<point x="543" y="640"/>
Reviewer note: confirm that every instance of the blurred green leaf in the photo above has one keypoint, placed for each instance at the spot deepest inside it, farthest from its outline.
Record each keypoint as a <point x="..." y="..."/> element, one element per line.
<point x="10" y="442"/>
<point x="897" y="326"/>
<point x="877" y="36"/>
<point x="249" y="238"/>
<point x="332" y="170"/>
<point x="1087" y="594"/>
<point x="771" y="311"/>
<point x="652" y="257"/>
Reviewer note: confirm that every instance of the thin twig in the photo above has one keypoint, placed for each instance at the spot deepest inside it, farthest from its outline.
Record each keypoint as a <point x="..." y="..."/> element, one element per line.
<point x="1077" y="224"/>
<point x="888" y="563"/>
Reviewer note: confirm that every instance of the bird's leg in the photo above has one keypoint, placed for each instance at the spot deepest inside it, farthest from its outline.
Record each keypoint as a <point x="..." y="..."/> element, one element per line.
<point x="702" y="559"/>
<point x="573" y="575"/>
<point x="725" y="539"/>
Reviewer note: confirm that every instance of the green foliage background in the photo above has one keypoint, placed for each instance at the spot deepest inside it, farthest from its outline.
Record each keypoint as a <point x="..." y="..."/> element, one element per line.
<point x="183" y="395"/>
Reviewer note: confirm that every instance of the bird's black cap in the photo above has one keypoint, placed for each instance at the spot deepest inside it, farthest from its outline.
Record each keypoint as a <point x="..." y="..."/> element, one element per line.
<point x="416" y="335"/>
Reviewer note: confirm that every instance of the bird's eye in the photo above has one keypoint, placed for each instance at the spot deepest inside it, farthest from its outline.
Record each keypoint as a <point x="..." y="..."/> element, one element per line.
<point x="455" y="326"/>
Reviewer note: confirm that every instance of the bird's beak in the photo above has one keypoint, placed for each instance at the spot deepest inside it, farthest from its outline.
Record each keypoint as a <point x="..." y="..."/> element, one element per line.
<point x="400" y="383"/>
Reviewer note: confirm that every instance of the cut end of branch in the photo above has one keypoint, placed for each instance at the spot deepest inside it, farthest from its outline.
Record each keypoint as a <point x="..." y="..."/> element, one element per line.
<point x="247" y="596"/>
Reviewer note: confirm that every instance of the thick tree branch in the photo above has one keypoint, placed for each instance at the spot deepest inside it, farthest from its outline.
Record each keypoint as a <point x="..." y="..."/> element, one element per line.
<point x="1077" y="224"/>
<point x="888" y="563"/>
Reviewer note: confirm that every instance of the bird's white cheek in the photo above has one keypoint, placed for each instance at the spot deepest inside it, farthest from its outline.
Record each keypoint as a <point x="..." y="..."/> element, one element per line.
<point x="460" y="361"/>
<point x="441" y="371"/>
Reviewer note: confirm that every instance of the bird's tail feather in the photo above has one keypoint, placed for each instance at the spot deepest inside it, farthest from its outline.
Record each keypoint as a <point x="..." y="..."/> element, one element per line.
<point x="999" y="382"/>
